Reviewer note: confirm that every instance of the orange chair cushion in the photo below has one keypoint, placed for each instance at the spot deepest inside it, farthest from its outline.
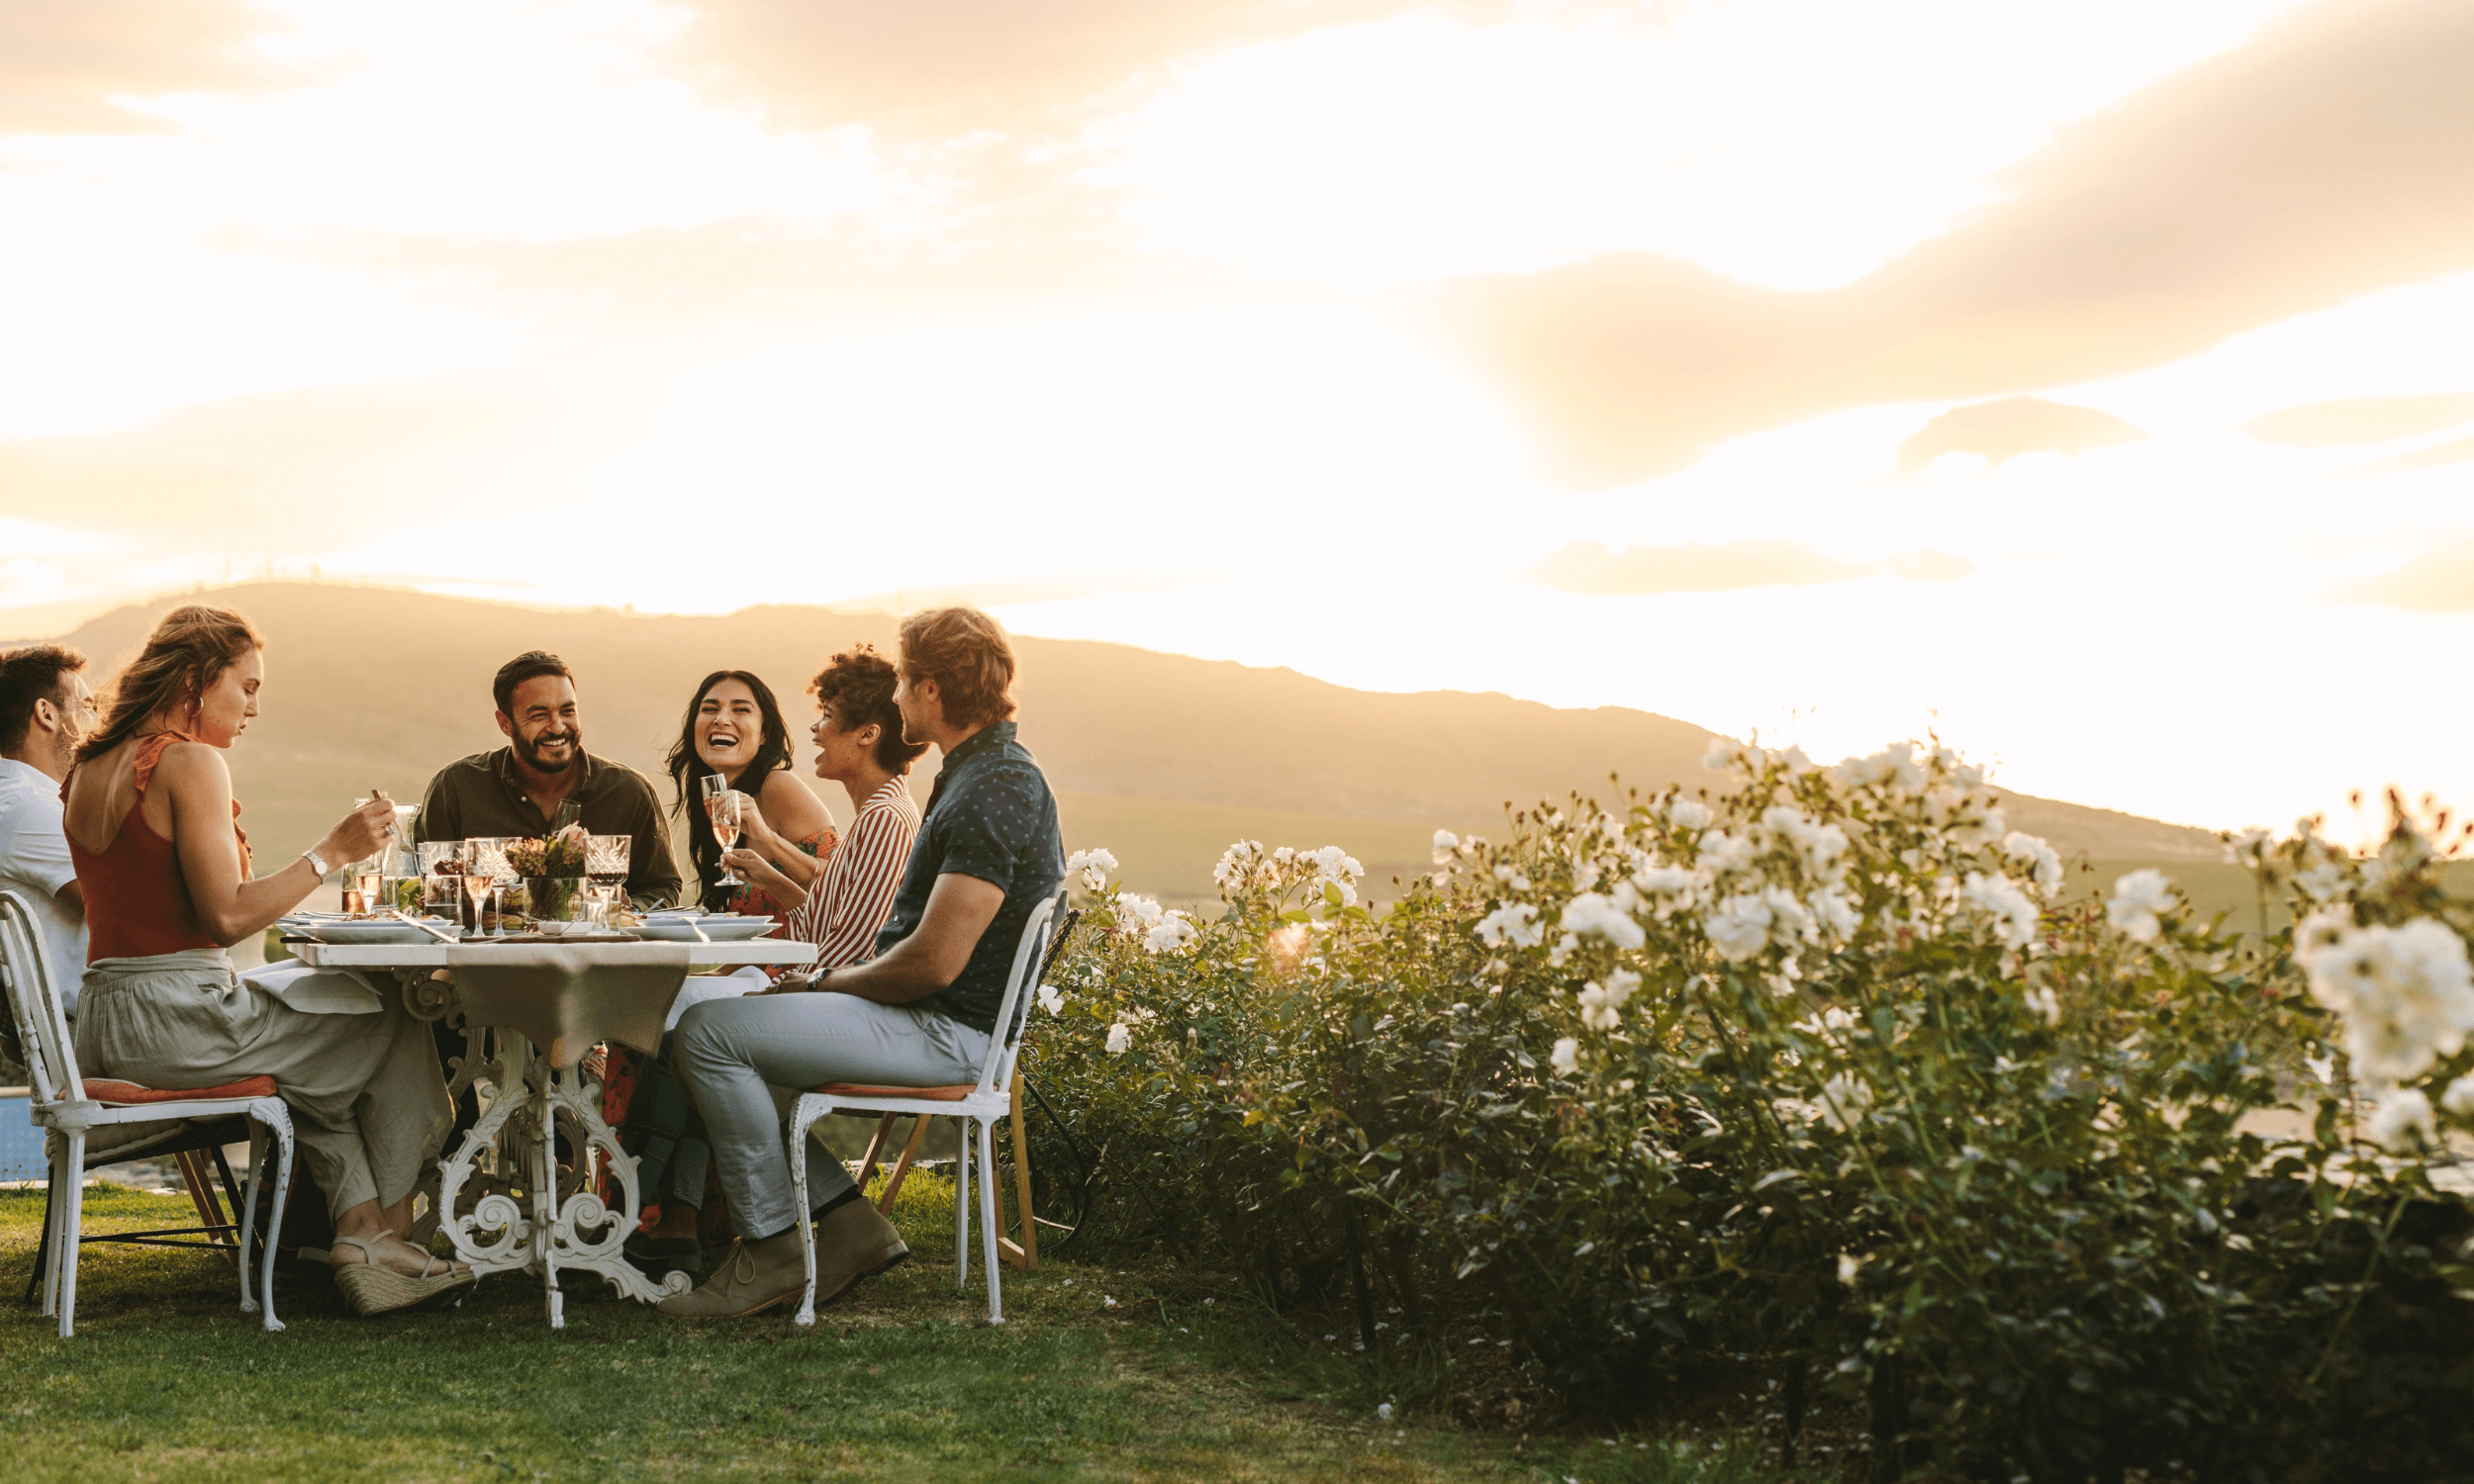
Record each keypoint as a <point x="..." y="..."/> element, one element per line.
<point x="933" y="1094"/>
<point x="110" y="1090"/>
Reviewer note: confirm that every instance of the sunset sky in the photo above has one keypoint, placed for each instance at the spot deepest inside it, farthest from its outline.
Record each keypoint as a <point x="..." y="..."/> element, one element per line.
<point x="2092" y="381"/>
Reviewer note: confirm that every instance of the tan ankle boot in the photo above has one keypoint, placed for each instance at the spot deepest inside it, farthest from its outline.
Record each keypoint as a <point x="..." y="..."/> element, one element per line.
<point x="754" y="1277"/>
<point x="853" y="1242"/>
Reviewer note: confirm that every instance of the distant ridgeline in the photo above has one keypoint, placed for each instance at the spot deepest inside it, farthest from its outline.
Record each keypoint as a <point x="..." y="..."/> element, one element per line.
<point x="1162" y="758"/>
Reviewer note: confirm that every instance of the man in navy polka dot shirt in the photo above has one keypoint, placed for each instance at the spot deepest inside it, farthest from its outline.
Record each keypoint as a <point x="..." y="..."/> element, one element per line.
<point x="919" y="1014"/>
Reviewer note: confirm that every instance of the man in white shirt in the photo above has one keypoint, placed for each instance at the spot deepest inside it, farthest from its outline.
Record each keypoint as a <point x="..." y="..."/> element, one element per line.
<point x="45" y="708"/>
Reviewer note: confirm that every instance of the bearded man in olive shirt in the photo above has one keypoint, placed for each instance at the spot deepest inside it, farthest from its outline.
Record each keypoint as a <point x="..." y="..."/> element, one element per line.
<point x="520" y="790"/>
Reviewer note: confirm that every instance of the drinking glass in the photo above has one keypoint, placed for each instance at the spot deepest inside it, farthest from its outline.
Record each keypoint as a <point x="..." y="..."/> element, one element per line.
<point x="364" y="885"/>
<point x="485" y="856"/>
<point x="606" y="858"/>
<point x="477" y="888"/>
<point x="441" y="863"/>
<point x="722" y="809"/>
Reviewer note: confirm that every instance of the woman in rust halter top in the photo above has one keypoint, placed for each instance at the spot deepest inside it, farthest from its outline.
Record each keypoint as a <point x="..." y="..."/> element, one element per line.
<point x="155" y="833"/>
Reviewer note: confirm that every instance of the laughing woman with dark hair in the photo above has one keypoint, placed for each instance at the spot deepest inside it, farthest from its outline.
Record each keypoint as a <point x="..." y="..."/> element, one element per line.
<point x="734" y="730"/>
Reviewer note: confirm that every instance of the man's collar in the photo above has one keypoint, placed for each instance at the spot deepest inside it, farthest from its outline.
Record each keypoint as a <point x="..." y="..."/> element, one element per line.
<point x="994" y="734"/>
<point x="504" y="764"/>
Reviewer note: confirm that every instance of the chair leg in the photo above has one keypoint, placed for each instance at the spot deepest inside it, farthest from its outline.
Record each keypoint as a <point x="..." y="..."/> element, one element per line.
<point x="274" y="1220"/>
<point x="901" y="1167"/>
<point x="987" y="1221"/>
<point x="962" y="1210"/>
<point x="73" y="1212"/>
<point x="247" y="1205"/>
<point x="875" y="1146"/>
<point x="1026" y="1255"/>
<point x="48" y="1259"/>
<point x="800" y="1123"/>
<point x="200" y="1187"/>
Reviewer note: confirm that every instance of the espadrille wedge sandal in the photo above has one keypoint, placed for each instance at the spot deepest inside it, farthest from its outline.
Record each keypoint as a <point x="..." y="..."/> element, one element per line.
<point x="372" y="1288"/>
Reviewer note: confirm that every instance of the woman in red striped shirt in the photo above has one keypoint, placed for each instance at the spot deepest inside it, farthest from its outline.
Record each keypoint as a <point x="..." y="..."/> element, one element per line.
<point x="843" y="900"/>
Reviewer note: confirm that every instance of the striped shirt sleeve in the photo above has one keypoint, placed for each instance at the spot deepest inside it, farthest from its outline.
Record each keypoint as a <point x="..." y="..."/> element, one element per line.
<point x="851" y="899"/>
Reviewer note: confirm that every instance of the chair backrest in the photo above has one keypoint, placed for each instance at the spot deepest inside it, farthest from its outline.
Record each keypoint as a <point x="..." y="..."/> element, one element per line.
<point x="996" y="1073"/>
<point x="35" y="1006"/>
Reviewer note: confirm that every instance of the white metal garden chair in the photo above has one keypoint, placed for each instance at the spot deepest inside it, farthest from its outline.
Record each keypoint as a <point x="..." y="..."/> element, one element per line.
<point x="983" y="1102"/>
<point x="104" y="1121"/>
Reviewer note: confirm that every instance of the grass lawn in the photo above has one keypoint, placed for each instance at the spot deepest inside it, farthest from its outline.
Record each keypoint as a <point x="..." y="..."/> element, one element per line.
<point x="165" y="1379"/>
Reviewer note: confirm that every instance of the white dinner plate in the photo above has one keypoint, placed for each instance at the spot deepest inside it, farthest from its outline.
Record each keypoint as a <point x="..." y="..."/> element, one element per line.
<point x="369" y="932"/>
<point x="722" y="929"/>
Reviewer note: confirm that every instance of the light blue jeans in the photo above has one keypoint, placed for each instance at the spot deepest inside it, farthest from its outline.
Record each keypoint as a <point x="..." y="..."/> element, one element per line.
<point x="728" y="1052"/>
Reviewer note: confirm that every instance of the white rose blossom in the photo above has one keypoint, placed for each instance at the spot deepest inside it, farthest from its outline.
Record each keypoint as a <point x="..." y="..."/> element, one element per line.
<point x="1601" y="1003"/>
<point x="1566" y="1055"/>
<point x="1727" y="854"/>
<point x="2045" y="861"/>
<point x="1515" y="923"/>
<point x="1120" y="1039"/>
<point x="1688" y="813"/>
<point x="1237" y="862"/>
<point x="2406" y="994"/>
<point x="1592" y="915"/>
<point x="1447" y="845"/>
<point x="1739" y="927"/>
<point x="2401" y="1122"/>
<point x="1051" y="999"/>
<point x="2460" y="1098"/>
<point x="2139" y="900"/>
<point x="1094" y="865"/>
<point x="1999" y="897"/>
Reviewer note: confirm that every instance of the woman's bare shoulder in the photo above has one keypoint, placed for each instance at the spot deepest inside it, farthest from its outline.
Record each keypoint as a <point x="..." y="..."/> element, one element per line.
<point x="193" y="763"/>
<point x="786" y="793"/>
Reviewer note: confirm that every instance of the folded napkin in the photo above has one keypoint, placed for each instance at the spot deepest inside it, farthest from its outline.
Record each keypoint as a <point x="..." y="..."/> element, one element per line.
<point x="317" y="991"/>
<point x="566" y="996"/>
<point x="699" y="987"/>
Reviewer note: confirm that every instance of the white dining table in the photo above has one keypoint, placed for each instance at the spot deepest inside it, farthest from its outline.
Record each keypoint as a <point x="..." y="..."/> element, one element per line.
<point x="501" y="1197"/>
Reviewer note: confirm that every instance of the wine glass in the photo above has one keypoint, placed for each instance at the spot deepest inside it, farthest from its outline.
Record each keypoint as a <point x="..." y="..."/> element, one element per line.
<point x="722" y="809"/>
<point x="485" y="856"/>
<point x="606" y="858"/>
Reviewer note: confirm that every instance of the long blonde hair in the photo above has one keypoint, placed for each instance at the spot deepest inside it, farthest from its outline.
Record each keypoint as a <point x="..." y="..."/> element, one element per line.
<point x="183" y="658"/>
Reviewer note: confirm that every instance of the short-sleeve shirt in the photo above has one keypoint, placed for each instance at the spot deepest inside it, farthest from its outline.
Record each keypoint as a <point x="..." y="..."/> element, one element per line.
<point x="35" y="862"/>
<point x="991" y="816"/>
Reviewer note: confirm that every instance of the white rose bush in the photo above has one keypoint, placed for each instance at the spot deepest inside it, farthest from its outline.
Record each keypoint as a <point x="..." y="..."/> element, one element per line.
<point x="1834" y="1072"/>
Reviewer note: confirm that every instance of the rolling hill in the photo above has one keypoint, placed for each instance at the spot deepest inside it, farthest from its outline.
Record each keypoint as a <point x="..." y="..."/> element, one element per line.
<point x="1162" y="758"/>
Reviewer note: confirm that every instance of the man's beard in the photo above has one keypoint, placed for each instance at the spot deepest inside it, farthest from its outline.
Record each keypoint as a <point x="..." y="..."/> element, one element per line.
<point x="529" y="751"/>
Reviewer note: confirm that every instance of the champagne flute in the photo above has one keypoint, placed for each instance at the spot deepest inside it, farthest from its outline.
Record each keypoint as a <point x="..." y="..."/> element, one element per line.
<point x="722" y="810"/>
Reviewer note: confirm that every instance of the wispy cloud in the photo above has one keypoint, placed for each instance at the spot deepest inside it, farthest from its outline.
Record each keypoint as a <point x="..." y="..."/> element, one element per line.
<point x="939" y="68"/>
<point x="1592" y="570"/>
<point x="2287" y="175"/>
<point x="73" y="68"/>
<point x="2363" y="419"/>
<point x="2438" y="581"/>
<point x="2003" y="431"/>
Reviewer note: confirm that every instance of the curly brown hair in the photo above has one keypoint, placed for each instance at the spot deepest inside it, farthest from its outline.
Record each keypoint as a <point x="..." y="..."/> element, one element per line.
<point x="965" y="652"/>
<point x="858" y="683"/>
<point x="182" y="658"/>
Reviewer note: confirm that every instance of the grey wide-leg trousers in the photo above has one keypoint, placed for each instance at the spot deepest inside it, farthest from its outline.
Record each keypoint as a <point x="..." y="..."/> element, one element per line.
<point x="728" y="1052"/>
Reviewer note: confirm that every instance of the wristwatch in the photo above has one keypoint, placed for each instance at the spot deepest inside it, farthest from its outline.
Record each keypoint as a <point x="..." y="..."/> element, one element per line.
<point x="316" y="862"/>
